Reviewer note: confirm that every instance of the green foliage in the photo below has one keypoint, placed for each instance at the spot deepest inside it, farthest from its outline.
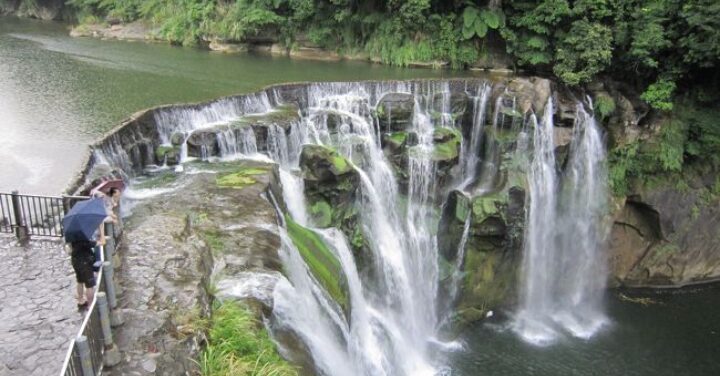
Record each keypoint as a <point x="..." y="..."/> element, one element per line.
<point x="659" y="95"/>
<point x="243" y="18"/>
<point x="477" y="22"/>
<point x="584" y="52"/>
<point x="238" y="344"/>
<point x="690" y="138"/>
<point x="639" y="41"/>
<point x="604" y="105"/>
<point x="702" y="139"/>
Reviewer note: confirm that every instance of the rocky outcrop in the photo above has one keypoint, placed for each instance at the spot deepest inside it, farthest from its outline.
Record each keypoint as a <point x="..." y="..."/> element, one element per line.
<point x="331" y="188"/>
<point x="41" y="9"/>
<point x="187" y="247"/>
<point x="667" y="237"/>
<point x="493" y="248"/>
<point x="138" y="30"/>
<point x="395" y="111"/>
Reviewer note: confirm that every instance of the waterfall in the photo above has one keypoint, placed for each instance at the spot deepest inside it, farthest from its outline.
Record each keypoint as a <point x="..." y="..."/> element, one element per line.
<point x="390" y="326"/>
<point x="393" y="318"/>
<point x="470" y="155"/>
<point x="563" y="272"/>
<point x="456" y="278"/>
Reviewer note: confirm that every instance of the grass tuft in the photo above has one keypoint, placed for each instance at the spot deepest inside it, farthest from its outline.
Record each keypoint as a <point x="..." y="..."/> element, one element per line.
<point x="238" y="344"/>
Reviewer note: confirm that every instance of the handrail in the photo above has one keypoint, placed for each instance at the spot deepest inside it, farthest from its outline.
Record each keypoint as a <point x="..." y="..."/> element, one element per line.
<point x="86" y="319"/>
<point x="77" y="360"/>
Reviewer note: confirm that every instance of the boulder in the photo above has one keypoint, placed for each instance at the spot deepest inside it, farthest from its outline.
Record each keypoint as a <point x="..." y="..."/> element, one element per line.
<point x="177" y="138"/>
<point x="282" y="117"/>
<point x="331" y="189"/>
<point x="453" y="103"/>
<point x="562" y="137"/>
<point x="667" y="237"/>
<point x="542" y="91"/>
<point x="492" y="249"/>
<point x="324" y="165"/>
<point x="395" y="111"/>
<point x="167" y="154"/>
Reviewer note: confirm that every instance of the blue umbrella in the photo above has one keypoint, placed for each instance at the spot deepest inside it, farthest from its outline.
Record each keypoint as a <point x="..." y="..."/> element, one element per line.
<point x="83" y="219"/>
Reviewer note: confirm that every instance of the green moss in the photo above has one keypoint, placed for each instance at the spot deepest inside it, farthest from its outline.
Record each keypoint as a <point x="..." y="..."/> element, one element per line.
<point x="488" y="279"/>
<point x="239" y="179"/>
<point x="238" y="344"/>
<point x="279" y="114"/>
<point x="446" y="151"/>
<point x="322" y="214"/>
<point x="163" y="150"/>
<point x="447" y="144"/>
<point x="486" y="206"/>
<point x="446" y="269"/>
<point x="214" y="241"/>
<point x="340" y="164"/>
<point x="161" y="180"/>
<point x="358" y="239"/>
<point x="461" y="209"/>
<point x="397" y="138"/>
<point x="320" y="260"/>
<point x="507" y="111"/>
<point x="446" y="133"/>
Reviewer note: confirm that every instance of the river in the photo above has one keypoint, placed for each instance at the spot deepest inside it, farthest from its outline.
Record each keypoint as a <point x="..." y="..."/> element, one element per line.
<point x="57" y="94"/>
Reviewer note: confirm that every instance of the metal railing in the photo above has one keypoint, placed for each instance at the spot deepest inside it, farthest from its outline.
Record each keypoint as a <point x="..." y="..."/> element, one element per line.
<point x="86" y="355"/>
<point x="27" y="215"/>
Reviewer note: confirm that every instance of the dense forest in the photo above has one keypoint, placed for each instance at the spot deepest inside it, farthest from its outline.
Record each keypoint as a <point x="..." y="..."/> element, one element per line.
<point x="665" y="51"/>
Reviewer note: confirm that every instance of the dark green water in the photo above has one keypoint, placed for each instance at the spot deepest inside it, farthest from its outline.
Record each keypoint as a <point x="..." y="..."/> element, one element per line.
<point x="58" y="93"/>
<point x="677" y="335"/>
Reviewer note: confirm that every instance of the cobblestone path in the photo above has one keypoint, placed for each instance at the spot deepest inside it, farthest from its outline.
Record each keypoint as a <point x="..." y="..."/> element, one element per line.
<point x="38" y="315"/>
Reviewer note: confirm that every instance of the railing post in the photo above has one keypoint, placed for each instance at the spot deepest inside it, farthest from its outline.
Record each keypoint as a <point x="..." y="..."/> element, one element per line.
<point x="66" y="204"/>
<point x="20" y="227"/>
<point x="109" y="284"/>
<point x="112" y="354"/>
<point x="83" y="349"/>
<point x="116" y="318"/>
<point x="109" y="241"/>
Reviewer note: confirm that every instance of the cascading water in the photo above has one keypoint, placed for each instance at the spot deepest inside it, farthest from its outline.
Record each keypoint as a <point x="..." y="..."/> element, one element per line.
<point x="392" y="320"/>
<point x="470" y="155"/>
<point x="563" y="273"/>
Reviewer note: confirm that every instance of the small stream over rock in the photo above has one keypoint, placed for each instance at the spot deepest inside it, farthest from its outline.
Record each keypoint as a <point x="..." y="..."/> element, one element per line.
<point x="401" y="210"/>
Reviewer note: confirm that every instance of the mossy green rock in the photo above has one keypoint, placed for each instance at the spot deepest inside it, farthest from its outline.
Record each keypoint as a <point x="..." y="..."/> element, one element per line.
<point x="322" y="214"/>
<point x="167" y="154"/>
<point x="321" y="261"/>
<point x="239" y="179"/>
<point x="446" y="144"/>
<point x="321" y="163"/>
<point x="395" y="111"/>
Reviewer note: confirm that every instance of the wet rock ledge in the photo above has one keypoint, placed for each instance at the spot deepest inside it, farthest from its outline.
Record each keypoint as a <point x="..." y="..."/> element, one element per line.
<point x="186" y="247"/>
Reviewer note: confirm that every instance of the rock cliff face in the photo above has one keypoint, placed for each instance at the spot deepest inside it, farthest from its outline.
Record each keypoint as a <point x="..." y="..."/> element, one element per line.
<point x="667" y="237"/>
<point x="659" y="236"/>
<point x="40" y="9"/>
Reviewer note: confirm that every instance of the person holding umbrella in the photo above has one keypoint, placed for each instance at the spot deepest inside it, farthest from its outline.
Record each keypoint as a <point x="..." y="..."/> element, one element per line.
<point x="79" y="227"/>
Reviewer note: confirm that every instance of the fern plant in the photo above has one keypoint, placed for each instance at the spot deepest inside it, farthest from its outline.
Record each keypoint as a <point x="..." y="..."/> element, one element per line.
<point x="477" y="22"/>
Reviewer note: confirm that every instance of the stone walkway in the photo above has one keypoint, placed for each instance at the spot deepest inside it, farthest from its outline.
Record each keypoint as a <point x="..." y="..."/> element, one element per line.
<point x="38" y="315"/>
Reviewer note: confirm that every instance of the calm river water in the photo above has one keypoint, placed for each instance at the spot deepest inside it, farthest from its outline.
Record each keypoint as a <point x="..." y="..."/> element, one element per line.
<point x="57" y="94"/>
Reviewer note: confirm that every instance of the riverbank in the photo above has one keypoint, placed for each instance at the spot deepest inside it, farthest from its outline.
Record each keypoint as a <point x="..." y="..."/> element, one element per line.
<point x="495" y="61"/>
<point x="95" y="84"/>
